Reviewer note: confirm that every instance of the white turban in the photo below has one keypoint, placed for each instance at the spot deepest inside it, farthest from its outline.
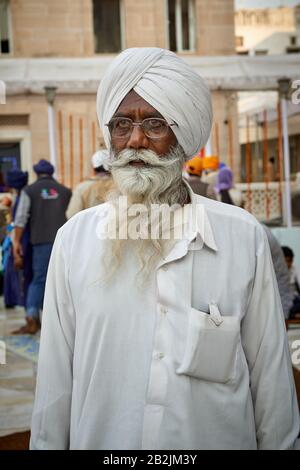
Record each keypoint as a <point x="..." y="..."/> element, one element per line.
<point x="168" y="84"/>
<point x="100" y="158"/>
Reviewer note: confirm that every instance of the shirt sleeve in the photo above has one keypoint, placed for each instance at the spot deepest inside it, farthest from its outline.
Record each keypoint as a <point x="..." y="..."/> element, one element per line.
<point x="52" y="409"/>
<point x="23" y="210"/>
<point x="266" y="348"/>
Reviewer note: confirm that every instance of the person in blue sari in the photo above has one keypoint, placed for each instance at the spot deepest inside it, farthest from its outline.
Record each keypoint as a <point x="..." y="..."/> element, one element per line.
<point x="16" y="278"/>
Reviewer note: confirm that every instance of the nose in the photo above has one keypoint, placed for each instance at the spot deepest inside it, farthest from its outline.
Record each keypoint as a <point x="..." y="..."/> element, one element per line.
<point x="137" y="139"/>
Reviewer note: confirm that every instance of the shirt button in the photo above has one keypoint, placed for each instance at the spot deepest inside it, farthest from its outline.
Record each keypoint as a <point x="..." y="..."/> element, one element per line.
<point x="159" y="355"/>
<point x="163" y="310"/>
<point x="165" y="267"/>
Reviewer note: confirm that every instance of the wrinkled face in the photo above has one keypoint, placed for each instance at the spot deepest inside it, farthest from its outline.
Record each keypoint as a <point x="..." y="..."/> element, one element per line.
<point x="146" y="168"/>
<point x="137" y="109"/>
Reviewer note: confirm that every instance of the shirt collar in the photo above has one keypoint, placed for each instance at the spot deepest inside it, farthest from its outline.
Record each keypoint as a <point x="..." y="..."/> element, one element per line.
<point x="197" y="227"/>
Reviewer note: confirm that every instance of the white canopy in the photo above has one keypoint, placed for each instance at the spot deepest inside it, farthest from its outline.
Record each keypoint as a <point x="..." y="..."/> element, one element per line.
<point x="255" y="103"/>
<point x="82" y="75"/>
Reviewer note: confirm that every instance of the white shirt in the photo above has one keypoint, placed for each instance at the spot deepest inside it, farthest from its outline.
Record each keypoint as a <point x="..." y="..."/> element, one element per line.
<point x="122" y="367"/>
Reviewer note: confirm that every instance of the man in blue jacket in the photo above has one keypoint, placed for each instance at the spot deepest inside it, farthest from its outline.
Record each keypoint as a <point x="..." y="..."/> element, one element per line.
<point x="43" y="204"/>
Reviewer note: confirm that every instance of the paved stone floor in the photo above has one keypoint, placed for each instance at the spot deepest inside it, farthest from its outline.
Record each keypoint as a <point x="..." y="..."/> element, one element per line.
<point x="17" y="380"/>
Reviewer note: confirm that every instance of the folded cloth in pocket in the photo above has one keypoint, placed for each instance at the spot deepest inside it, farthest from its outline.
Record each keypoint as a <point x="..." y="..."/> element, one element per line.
<point x="211" y="346"/>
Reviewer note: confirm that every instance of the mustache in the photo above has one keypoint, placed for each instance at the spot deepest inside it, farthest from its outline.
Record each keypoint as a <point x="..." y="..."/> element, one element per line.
<point x="146" y="156"/>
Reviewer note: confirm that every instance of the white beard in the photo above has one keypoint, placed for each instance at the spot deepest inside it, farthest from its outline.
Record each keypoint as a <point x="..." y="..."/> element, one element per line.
<point x="159" y="183"/>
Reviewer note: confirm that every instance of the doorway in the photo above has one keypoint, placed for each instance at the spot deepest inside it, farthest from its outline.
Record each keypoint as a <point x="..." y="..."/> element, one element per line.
<point x="10" y="158"/>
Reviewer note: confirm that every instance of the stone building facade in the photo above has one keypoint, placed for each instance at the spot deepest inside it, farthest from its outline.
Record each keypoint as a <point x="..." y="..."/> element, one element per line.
<point x="268" y="31"/>
<point x="35" y="30"/>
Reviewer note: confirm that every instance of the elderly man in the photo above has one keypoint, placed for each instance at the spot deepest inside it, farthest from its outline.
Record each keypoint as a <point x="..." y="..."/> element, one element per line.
<point x="161" y="343"/>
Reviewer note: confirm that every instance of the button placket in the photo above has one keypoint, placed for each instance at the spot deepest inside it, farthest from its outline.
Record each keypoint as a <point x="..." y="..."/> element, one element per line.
<point x="158" y="373"/>
<point x="163" y="310"/>
<point x="157" y="388"/>
<point x="162" y="352"/>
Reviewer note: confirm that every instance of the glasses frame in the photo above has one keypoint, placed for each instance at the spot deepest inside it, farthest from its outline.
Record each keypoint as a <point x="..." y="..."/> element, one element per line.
<point x="136" y="124"/>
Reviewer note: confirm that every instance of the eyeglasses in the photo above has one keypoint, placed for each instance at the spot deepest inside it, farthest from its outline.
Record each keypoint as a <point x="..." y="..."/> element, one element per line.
<point x="153" y="128"/>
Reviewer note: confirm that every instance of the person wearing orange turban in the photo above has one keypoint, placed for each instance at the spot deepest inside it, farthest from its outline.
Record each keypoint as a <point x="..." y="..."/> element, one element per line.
<point x="194" y="169"/>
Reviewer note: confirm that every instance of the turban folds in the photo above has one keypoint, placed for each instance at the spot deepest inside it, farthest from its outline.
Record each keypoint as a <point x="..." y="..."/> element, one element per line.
<point x="168" y="84"/>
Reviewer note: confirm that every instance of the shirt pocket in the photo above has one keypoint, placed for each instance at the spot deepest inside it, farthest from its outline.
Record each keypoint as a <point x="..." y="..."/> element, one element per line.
<point x="211" y="346"/>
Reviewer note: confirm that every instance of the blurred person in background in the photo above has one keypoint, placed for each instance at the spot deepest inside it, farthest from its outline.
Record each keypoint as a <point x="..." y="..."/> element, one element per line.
<point x="43" y="205"/>
<point x="225" y="188"/>
<point x="17" y="277"/>
<point x="294" y="274"/>
<point x="296" y="198"/>
<point x="210" y="171"/>
<point x="281" y="272"/>
<point x="3" y="186"/>
<point x="271" y="169"/>
<point x="5" y="220"/>
<point x="94" y="190"/>
<point x="193" y="170"/>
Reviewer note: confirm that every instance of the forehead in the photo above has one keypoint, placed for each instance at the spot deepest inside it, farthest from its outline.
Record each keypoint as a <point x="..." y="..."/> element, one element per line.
<point x="134" y="103"/>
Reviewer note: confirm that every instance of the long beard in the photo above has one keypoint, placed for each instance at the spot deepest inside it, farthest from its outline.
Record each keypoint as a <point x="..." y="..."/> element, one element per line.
<point x="159" y="182"/>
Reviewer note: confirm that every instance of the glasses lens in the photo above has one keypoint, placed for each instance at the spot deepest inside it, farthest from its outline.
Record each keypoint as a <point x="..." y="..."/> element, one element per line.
<point x="120" y="127"/>
<point x="155" y="128"/>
